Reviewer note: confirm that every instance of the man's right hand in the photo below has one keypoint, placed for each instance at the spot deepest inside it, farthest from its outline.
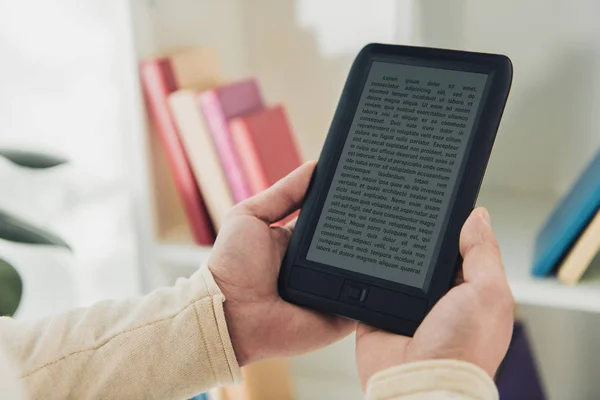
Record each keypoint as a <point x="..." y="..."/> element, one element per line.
<point x="472" y="322"/>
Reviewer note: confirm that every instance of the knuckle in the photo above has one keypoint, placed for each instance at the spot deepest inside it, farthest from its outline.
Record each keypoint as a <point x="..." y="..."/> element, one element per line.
<point x="240" y="209"/>
<point x="490" y="255"/>
<point x="237" y="211"/>
<point x="485" y="251"/>
<point x="494" y="245"/>
<point x="491" y="248"/>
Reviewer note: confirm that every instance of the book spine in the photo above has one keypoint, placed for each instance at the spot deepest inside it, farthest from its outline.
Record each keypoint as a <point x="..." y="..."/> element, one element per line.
<point x="246" y="149"/>
<point x="219" y="130"/>
<point x="203" y="158"/>
<point x="582" y="253"/>
<point x="158" y="82"/>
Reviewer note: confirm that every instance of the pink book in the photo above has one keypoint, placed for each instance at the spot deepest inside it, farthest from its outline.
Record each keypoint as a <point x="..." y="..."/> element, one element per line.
<point x="219" y="106"/>
<point x="266" y="146"/>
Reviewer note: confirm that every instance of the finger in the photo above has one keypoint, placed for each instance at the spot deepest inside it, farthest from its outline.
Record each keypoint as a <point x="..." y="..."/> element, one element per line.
<point x="479" y="247"/>
<point x="281" y="199"/>
<point x="282" y="234"/>
<point x="292" y="224"/>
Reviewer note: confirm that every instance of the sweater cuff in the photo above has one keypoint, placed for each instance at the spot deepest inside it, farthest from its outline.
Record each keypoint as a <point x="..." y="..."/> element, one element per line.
<point x="465" y="380"/>
<point x="215" y="335"/>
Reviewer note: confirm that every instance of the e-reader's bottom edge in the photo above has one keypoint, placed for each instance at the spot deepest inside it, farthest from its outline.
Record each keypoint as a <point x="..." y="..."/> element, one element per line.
<point x="377" y="320"/>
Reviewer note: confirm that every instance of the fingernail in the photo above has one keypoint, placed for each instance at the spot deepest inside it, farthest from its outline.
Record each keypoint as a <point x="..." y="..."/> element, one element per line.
<point x="486" y="216"/>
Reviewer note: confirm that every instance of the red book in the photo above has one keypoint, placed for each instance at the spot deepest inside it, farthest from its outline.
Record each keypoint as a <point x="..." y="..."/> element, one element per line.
<point x="159" y="81"/>
<point x="219" y="106"/>
<point x="266" y="147"/>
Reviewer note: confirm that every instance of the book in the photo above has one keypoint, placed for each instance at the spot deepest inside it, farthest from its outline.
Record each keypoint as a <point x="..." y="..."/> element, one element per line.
<point x="171" y="222"/>
<point x="518" y="376"/>
<point x="160" y="77"/>
<point x="266" y="146"/>
<point x="567" y="220"/>
<point x="582" y="253"/>
<point x="218" y="107"/>
<point x="201" y="153"/>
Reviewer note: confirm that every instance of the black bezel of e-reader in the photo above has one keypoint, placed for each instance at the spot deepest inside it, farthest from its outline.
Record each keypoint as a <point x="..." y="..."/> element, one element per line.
<point x="389" y="305"/>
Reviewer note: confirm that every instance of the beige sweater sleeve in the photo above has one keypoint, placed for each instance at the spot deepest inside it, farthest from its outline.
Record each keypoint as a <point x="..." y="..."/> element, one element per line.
<point x="173" y="344"/>
<point x="432" y="380"/>
<point x="170" y="344"/>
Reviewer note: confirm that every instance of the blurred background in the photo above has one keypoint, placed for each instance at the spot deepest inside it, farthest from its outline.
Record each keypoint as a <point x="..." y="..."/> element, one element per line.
<point x="70" y="87"/>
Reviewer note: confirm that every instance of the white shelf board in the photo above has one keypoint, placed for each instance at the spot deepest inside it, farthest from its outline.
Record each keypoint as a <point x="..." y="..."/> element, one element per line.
<point x="182" y="255"/>
<point x="516" y="219"/>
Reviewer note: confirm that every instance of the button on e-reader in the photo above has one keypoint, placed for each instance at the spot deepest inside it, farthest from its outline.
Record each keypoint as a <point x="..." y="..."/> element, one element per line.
<point x="354" y="293"/>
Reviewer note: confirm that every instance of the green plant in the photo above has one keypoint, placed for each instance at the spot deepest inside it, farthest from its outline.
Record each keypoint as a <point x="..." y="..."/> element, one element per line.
<point x="11" y="289"/>
<point x="31" y="159"/>
<point x="15" y="229"/>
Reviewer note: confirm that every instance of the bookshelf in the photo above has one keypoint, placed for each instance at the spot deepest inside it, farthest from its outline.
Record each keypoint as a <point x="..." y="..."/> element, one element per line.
<point x="544" y="140"/>
<point x="535" y="178"/>
<point x="516" y="219"/>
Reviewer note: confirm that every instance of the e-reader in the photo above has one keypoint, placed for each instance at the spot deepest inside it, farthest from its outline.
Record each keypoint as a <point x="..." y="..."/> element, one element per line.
<point x="377" y="238"/>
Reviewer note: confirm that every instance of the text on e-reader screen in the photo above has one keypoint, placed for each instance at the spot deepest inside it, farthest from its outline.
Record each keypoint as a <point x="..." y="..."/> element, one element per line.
<point x="393" y="185"/>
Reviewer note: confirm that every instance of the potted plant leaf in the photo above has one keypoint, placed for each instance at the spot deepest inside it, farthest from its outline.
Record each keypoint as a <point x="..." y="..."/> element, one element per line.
<point x="17" y="230"/>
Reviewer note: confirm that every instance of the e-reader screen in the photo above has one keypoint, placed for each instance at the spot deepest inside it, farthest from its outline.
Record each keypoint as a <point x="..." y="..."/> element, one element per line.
<point x="395" y="181"/>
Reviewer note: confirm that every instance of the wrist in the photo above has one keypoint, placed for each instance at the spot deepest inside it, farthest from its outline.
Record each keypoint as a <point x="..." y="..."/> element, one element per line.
<point x="244" y="327"/>
<point x="236" y="333"/>
<point x="431" y="375"/>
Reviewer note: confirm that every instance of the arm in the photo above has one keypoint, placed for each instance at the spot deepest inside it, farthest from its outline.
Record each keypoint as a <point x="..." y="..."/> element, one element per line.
<point x="172" y="343"/>
<point x="177" y="342"/>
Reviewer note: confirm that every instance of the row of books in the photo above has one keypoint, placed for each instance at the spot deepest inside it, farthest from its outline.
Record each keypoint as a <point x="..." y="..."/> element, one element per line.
<point x="569" y="241"/>
<point x="223" y="143"/>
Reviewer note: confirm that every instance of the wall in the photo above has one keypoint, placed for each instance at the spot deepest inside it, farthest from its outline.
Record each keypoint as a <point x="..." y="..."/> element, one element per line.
<point x="161" y="26"/>
<point x="302" y="59"/>
<point x="549" y="128"/>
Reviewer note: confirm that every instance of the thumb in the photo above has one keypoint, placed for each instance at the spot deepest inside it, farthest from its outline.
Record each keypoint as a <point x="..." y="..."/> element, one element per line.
<point x="283" y="198"/>
<point x="479" y="248"/>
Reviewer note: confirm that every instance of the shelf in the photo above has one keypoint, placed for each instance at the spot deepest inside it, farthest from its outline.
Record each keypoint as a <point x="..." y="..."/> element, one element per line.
<point x="516" y="220"/>
<point x="182" y="255"/>
<point x="515" y="217"/>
